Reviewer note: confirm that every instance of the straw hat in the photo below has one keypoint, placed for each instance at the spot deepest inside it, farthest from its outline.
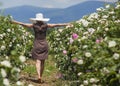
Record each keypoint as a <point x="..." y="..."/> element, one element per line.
<point x="39" y="17"/>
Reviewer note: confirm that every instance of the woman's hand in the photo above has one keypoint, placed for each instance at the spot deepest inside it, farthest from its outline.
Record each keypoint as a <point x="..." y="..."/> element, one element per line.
<point x="69" y="25"/>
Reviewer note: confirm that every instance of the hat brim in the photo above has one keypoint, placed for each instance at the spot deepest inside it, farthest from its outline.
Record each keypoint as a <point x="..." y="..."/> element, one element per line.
<point x="36" y="19"/>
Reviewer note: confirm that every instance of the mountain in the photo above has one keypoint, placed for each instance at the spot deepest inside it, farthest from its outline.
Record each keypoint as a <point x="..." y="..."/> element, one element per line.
<point x="23" y="13"/>
<point x="57" y="15"/>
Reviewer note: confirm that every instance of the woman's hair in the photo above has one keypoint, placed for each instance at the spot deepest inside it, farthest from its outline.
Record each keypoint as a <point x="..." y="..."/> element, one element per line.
<point x="40" y="24"/>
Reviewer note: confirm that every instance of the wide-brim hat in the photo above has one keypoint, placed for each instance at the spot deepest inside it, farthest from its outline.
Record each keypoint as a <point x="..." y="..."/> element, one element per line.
<point x="39" y="17"/>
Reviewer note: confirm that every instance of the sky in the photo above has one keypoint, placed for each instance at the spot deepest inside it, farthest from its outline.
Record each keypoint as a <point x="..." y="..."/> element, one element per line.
<point x="44" y="3"/>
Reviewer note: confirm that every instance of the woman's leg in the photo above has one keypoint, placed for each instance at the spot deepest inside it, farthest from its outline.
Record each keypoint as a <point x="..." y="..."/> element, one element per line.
<point x="40" y="67"/>
<point x="38" y="62"/>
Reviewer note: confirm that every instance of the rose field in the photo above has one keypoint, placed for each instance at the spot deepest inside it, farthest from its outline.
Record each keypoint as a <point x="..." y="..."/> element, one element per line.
<point x="87" y="53"/>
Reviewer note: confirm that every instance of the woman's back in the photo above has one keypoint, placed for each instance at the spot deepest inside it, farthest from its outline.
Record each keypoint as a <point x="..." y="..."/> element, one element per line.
<point x="40" y="31"/>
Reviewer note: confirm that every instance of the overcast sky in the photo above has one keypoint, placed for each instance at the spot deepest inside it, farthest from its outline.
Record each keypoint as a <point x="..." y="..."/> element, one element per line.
<point x="44" y="3"/>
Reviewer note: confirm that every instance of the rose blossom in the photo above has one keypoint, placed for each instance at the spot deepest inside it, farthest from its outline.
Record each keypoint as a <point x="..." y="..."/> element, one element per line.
<point x="3" y="73"/>
<point x="98" y="41"/>
<point x="116" y="56"/>
<point x="22" y="58"/>
<point x="64" y="52"/>
<point x="6" y="63"/>
<point x="6" y="82"/>
<point x="71" y="40"/>
<point x="85" y="46"/>
<point x="84" y="22"/>
<point x="30" y="85"/>
<point x="91" y="30"/>
<point x="80" y="62"/>
<point x="85" y="82"/>
<point x="19" y="83"/>
<point x="80" y="73"/>
<point x="88" y="54"/>
<point x="112" y="44"/>
<point x="3" y="47"/>
<point x="107" y="6"/>
<point x="93" y="80"/>
<point x="75" y="60"/>
<point x="74" y="36"/>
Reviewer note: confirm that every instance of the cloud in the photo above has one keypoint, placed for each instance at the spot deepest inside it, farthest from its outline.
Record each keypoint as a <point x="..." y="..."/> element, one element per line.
<point x="40" y="3"/>
<point x="108" y="0"/>
<point x="44" y="3"/>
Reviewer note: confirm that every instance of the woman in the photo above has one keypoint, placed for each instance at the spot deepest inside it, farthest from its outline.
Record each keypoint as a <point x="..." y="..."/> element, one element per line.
<point x="40" y="47"/>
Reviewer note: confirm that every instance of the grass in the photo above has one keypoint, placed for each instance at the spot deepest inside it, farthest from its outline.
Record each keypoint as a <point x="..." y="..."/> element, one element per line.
<point x="49" y="67"/>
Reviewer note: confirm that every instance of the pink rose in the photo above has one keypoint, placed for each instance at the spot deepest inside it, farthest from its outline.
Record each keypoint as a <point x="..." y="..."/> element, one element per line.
<point x="75" y="60"/>
<point x="64" y="52"/>
<point x="71" y="41"/>
<point x="98" y="41"/>
<point x="74" y="36"/>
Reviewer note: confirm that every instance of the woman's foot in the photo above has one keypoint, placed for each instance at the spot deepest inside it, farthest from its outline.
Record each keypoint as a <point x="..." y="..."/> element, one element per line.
<point x="39" y="80"/>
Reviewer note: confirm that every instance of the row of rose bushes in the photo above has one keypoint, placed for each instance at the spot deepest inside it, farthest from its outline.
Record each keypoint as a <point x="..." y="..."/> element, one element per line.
<point x="88" y="53"/>
<point x="15" y="46"/>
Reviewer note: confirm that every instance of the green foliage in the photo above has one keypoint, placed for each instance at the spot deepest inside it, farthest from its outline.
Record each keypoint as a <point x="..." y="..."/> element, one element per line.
<point x="89" y="52"/>
<point x="15" y="46"/>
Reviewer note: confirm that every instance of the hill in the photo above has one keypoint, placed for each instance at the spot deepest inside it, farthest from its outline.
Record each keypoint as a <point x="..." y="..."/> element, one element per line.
<point x="73" y="13"/>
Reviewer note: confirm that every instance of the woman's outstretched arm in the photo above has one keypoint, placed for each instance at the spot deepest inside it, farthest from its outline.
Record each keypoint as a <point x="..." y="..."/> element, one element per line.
<point x="23" y="24"/>
<point x="58" y="25"/>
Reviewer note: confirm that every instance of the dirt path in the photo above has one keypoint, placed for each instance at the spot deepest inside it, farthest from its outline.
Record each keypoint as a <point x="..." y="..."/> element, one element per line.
<point x="29" y="75"/>
<point x="48" y="81"/>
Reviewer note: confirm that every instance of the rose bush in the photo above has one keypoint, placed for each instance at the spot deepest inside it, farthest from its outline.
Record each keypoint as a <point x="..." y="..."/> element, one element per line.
<point x="15" y="46"/>
<point x="88" y="53"/>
